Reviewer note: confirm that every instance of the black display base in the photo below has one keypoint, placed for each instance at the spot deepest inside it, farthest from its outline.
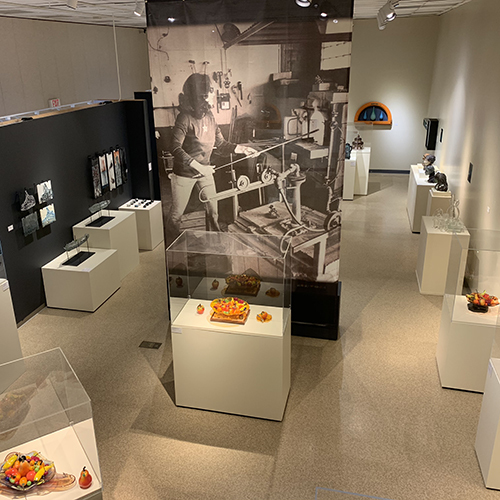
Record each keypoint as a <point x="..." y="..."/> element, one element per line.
<point x="77" y="259"/>
<point x="316" y="309"/>
<point x="101" y="221"/>
<point x="475" y="308"/>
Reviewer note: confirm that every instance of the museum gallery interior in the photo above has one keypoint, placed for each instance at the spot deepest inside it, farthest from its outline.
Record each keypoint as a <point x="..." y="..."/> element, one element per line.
<point x="250" y="250"/>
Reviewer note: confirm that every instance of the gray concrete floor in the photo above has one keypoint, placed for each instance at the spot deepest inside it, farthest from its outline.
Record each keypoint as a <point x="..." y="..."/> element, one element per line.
<point x="366" y="414"/>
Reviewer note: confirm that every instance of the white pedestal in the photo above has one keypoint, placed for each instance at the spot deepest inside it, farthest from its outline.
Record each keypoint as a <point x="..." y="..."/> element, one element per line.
<point x="362" y="157"/>
<point x="349" y="176"/>
<point x="11" y="348"/>
<point x="84" y="287"/>
<point x="149" y="224"/>
<point x="65" y="450"/>
<point x="434" y="255"/>
<point x="488" y="428"/>
<point x="119" y="234"/>
<point x="436" y="200"/>
<point x="464" y="345"/>
<point x="239" y="369"/>
<point x="418" y="192"/>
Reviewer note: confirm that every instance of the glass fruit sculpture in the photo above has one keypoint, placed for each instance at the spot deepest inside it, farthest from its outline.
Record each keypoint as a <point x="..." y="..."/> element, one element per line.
<point x="85" y="479"/>
<point x="24" y="472"/>
<point x="480" y="302"/>
<point x="264" y="317"/>
<point x="230" y="310"/>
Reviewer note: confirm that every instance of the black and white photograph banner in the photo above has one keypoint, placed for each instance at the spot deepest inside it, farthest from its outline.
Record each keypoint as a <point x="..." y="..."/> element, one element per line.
<point x="250" y="109"/>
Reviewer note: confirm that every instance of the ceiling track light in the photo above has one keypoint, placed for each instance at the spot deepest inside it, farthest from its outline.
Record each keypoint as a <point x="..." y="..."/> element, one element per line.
<point x="326" y="10"/>
<point x="387" y="13"/>
<point x="72" y="4"/>
<point x="139" y="8"/>
<point x="303" y="3"/>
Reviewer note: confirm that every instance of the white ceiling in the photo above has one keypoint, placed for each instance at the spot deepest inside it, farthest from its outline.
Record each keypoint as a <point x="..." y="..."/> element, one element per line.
<point x="122" y="11"/>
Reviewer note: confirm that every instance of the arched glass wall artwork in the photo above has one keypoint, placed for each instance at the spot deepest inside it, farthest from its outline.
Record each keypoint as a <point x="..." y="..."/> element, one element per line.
<point x="374" y="113"/>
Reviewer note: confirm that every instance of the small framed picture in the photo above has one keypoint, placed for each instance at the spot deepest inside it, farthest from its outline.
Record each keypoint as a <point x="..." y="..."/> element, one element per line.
<point x="96" y="176"/>
<point x="44" y="191"/>
<point x="118" y="167"/>
<point x="48" y="215"/>
<point x="103" y="169"/>
<point x="111" y="171"/>
<point x="30" y="224"/>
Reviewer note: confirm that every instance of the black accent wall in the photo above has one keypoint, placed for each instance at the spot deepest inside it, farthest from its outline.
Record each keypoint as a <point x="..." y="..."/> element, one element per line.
<point x="56" y="148"/>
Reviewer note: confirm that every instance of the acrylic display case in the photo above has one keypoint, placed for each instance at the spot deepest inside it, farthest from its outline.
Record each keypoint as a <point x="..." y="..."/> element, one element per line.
<point x="230" y="316"/>
<point x="44" y="409"/>
<point x="11" y="348"/>
<point x="466" y="338"/>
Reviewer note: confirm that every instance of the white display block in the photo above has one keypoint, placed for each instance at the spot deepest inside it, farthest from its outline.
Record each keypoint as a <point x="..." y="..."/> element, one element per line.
<point x="64" y="449"/>
<point x="11" y="348"/>
<point x="488" y="429"/>
<point x="362" y="157"/>
<point x="239" y="369"/>
<point x="118" y="234"/>
<point x="438" y="200"/>
<point x="349" y="176"/>
<point x="418" y="192"/>
<point x="149" y="223"/>
<point x="434" y="255"/>
<point x="464" y="344"/>
<point x="84" y="287"/>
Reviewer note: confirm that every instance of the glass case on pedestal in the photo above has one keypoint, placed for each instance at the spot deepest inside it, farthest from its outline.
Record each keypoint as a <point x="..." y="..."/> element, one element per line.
<point x="220" y="279"/>
<point x="47" y="441"/>
<point x="470" y="310"/>
<point x="230" y="317"/>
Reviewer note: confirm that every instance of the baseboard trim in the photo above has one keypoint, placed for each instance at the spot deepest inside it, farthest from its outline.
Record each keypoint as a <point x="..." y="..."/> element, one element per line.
<point x="388" y="171"/>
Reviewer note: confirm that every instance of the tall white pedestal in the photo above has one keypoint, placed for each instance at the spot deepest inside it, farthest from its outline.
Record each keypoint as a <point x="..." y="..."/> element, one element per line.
<point x="349" y="176"/>
<point x="84" y="287"/>
<point x="464" y="345"/>
<point x="149" y="223"/>
<point x="239" y="369"/>
<point x="434" y="255"/>
<point x="362" y="157"/>
<point x="488" y="428"/>
<point x="11" y="348"/>
<point x="418" y="192"/>
<point x="438" y="199"/>
<point x="119" y="234"/>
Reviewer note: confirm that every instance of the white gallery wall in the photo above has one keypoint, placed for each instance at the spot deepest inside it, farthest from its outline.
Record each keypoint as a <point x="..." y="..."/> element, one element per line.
<point x="466" y="98"/>
<point x="394" y="66"/>
<point x="41" y="60"/>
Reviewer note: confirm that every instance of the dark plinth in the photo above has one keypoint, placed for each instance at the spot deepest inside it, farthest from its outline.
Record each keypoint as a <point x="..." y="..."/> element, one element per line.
<point x="77" y="259"/>
<point x="101" y="221"/>
<point x="315" y="309"/>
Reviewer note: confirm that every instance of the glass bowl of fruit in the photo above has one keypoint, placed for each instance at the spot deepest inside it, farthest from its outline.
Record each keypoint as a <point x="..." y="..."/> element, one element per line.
<point x="481" y="302"/>
<point x="23" y="472"/>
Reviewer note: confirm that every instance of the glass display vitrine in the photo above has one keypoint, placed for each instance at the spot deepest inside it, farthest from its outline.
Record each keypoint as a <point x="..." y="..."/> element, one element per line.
<point x="470" y="312"/>
<point x="45" y="415"/>
<point x="230" y="321"/>
<point x="208" y="269"/>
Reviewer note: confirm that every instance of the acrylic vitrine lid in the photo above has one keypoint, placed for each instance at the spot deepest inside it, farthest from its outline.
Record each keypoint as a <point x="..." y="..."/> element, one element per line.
<point x="39" y="395"/>
<point x="219" y="243"/>
<point x="474" y="266"/>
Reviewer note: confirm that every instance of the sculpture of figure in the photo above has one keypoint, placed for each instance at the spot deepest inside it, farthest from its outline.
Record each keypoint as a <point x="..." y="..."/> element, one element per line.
<point x="357" y="142"/>
<point x="431" y="172"/>
<point x="348" y="149"/>
<point x="429" y="169"/>
<point x="442" y="183"/>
